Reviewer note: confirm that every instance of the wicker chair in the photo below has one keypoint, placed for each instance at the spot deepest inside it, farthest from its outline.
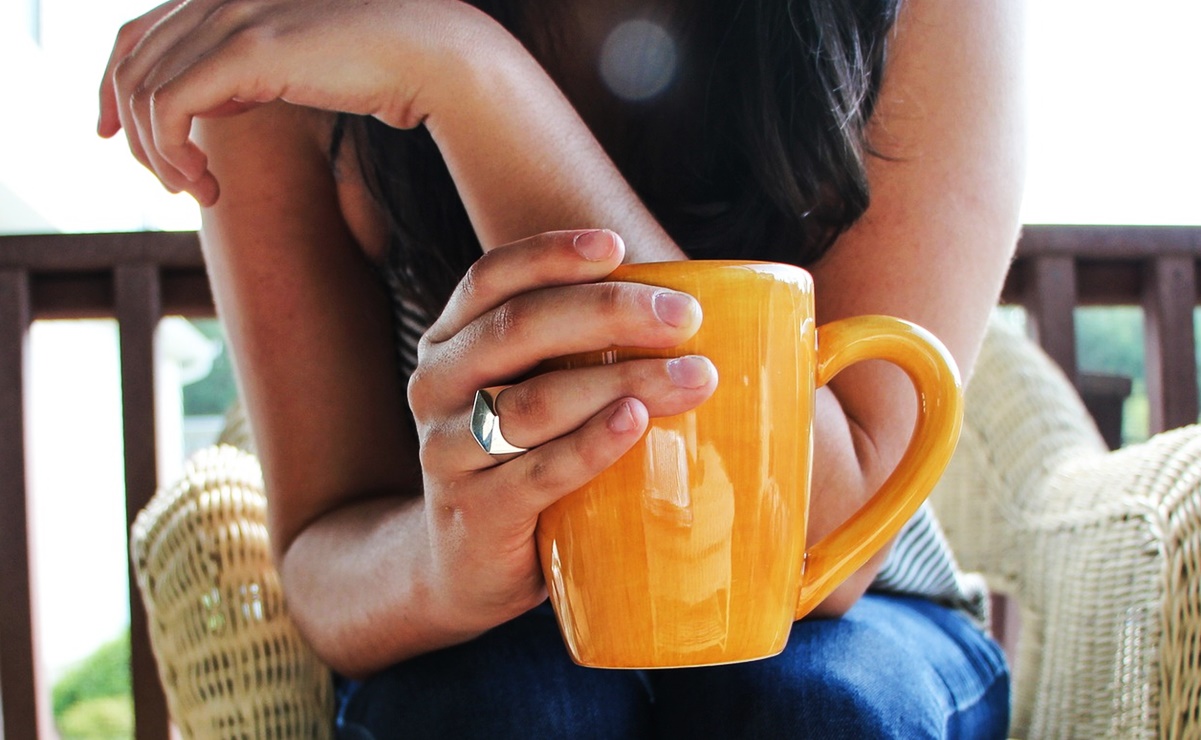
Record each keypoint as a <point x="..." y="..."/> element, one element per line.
<point x="1101" y="550"/>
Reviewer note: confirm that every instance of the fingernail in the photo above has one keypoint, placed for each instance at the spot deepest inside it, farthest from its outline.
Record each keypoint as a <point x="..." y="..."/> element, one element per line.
<point x="689" y="372"/>
<point x="594" y="246"/>
<point x="674" y="309"/>
<point x="622" y="419"/>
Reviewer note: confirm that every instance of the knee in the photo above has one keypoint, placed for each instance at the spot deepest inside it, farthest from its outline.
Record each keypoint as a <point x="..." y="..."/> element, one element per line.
<point x="515" y="681"/>
<point x="838" y="686"/>
<point x="853" y="696"/>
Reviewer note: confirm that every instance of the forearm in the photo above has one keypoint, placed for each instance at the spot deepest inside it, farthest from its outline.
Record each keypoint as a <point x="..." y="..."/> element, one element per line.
<point x="525" y="162"/>
<point x="850" y="463"/>
<point x="358" y="583"/>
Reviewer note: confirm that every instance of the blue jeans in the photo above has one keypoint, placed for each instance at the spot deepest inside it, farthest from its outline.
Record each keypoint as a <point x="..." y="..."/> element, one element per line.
<point x="893" y="667"/>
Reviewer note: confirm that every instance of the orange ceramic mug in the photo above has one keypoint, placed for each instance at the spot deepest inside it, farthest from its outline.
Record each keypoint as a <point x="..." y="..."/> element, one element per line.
<point x="690" y="550"/>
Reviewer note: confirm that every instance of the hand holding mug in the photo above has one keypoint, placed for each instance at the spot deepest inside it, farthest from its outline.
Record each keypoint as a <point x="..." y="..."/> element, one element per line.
<point x="518" y="306"/>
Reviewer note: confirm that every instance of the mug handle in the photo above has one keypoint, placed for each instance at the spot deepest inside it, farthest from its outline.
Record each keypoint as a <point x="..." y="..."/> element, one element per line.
<point x="929" y="365"/>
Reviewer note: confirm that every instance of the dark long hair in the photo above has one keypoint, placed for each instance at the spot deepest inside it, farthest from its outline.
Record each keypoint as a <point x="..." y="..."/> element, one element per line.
<point x="757" y="150"/>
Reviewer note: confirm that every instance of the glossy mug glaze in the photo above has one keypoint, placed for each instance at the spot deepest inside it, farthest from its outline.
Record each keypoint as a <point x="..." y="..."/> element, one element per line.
<point x="690" y="550"/>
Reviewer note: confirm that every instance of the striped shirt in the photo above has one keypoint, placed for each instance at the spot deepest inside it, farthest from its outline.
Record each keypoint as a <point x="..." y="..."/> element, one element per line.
<point x="921" y="562"/>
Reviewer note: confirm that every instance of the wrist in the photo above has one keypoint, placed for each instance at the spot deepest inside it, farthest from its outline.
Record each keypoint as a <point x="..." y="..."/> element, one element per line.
<point x="487" y="78"/>
<point x="459" y="70"/>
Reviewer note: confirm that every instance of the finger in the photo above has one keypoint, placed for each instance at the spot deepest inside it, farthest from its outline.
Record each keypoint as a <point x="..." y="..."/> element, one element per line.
<point x="558" y="403"/>
<point x="205" y="190"/>
<point x="507" y="499"/>
<point x="552" y="258"/>
<point x="127" y="39"/>
<point x="508" y="342"/>
<point x="553" y="322"/>
<point x="239" y="68"/>
<point x="132" y="137"/>
<point x="533" y="481"/>
<point x="133" y="95"/>
<point x="163" y="54"/>
<point x="196" y="31"/>
<point x="168" y="174"/>
<point x="555" y="404"/>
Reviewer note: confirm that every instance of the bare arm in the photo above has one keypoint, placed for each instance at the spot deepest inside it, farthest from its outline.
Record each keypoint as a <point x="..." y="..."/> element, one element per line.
<point x="365" y="558"/>
<point x="933" y="247"/>
<point x="936" y="242"/>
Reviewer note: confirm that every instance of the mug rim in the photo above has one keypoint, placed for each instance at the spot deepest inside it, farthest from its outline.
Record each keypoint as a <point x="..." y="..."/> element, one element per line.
<point x="781" y="270"/>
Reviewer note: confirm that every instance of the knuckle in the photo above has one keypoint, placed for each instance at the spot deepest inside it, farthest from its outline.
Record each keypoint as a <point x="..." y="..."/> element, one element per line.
<point x="234" y="13"/>
<point x="507" y="321"/>
<point x="610" y="299"/>
<point x="593" y="457"/>
<point x="246" y="41"/>
<point x="418" y="394"/>
<point x="633" y="376"/>
<point x="555" y="475"/>
<point x="548" y="240"/>
<point x="139" y="99"/>
<point x="159" y="100"/>
<point x="122" y="72"/>
<point x="255" y="35"/>
<point x="527" y="405"/>
<point x="422" y="390"/>
<point x="469" y="286"/>
<point x="432" y="450"/>
<point x="475" y="283"/>
<point x="425" y="346"/>
<point x="545" y="475"/>
<point x="131" y="32"/>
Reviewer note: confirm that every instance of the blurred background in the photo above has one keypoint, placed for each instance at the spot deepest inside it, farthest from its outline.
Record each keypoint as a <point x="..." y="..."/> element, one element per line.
<point x="1113" y="111"/>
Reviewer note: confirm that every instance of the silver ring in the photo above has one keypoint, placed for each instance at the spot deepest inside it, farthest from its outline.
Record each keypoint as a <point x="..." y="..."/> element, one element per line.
<point x="485" y="424"/>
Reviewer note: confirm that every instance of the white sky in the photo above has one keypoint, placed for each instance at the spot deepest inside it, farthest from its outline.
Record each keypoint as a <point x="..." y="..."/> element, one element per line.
<point x="1114" y="111"/>
<point x="1115" y="105"/>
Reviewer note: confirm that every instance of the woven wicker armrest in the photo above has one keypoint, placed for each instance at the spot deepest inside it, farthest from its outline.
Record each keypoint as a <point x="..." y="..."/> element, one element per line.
<point x="1101" y="550"/>
<point x="1111" y="594"/>
<point x="231" y="662"/>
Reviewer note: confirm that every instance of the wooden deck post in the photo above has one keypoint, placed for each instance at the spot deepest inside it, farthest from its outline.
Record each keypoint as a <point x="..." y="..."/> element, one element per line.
<point x="1051" y="302"/>
<point x="1169" y="294"/>
<point x="18" y="667"/>
<point x="138" y="308"/>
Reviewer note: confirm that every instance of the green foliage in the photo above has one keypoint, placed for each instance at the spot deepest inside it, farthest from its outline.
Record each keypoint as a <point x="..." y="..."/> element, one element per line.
<point x="213" y="394"/>
<point x="96" y="691"/>
<point x="108" y="718"/>
<point x="1197" y="348"/>
<point x="1136" y="416"/>
<point x="1109" y="339"/>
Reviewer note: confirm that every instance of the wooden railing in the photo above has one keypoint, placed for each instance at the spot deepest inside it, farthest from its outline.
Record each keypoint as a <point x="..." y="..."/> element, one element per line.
<point x="1060" y="267"/>
<point x="138" y="278"/>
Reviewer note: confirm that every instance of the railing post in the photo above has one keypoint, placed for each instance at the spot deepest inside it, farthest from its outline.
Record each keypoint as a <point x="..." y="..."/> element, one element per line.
<point x="1051" y="302"/>
<point x="138" y="308"/>
<point x="1169" y="294"/>
<point x="18" y="674"/>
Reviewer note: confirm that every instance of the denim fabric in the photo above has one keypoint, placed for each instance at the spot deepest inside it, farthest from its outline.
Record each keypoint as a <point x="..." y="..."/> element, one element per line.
<point x="893" y="667"/>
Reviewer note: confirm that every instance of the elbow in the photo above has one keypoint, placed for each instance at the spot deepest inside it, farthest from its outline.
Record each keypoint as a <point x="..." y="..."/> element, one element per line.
<point x="310" y="618"/>
<point x="842" y="599"/>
